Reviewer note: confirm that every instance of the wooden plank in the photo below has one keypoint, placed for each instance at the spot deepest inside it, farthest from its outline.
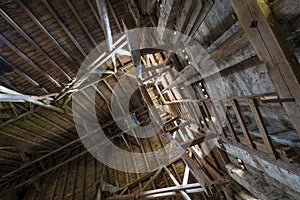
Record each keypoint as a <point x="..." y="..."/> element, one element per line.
<point x="262" y="128"/>
<point x="240" y="119"/>
<point x="75" y="177"/>
<point x="231" y="45"/>
<point x="55" y="184"/>
<point x="270" y="44"/>
<point x="65" y="181"/>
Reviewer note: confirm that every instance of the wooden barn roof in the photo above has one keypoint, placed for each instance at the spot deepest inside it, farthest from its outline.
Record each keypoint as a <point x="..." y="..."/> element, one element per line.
<point x="43" y="44"/>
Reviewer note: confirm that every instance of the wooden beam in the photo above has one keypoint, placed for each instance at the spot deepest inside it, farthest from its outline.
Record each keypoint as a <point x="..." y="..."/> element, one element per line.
<point x="165" y="13"/>
<point x="115" y="16"/>
<point x="55" y="184"/>
<point x="134" y="11"/>
<point x="163" y="192"/>
<point x="6" y="82"/>
<point x="60" y="22"/>
<point x="198" y="173"/>
<point x="262" y="128"/>
<point x="40" y="25"/>
<point x="242" y="124"/>
<point x="270" y="44"/>
<point x="235" y="42"/>
<point x="81" y="22"/>
<point x="33" y="43"/>
<point x="83" y="186"/>
<point x="146" y="176"/>
<point x="157" y="173"/>
<point x="186" y="175"/>
<point x="84" y="152"/>
<point x="20" y="116"/>
<point x="183" y="193"/>
<point x="213" y="172"/>
<point x="46" y="141"/>
<point x="8" y="95"/>
<point x="205" y="9"/>
<point x="103" y="12"/>
<point x="65" y="181"/>
<point x="150" y="104"/>
<point x="283" y="11"/>
<point x="228" y="122"/>
<point x="291" y="167"/>
<point x="27" y="59"/>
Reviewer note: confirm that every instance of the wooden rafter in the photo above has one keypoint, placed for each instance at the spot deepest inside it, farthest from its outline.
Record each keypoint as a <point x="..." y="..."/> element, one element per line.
<point x="33" y="43"/>
<point x="46" y="32"/>
<point x="67" y="31"/>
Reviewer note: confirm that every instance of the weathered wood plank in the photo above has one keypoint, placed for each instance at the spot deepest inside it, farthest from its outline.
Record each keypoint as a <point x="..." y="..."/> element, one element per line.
<point x="262" y="128"/>
<point x="239" y="117"/>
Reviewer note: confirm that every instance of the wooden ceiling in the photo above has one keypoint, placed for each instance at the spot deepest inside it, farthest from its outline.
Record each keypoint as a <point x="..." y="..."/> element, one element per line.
<point x="42" y="46"/>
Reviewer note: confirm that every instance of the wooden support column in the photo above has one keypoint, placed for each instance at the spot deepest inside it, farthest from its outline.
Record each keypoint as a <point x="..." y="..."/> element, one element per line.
<point x="270" y="44"/>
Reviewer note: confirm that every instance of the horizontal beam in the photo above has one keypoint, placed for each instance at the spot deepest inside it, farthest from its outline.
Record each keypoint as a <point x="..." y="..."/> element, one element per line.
<point x="189" y="188"/>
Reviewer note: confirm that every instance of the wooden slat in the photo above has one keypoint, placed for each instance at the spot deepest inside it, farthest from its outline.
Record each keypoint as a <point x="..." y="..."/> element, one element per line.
<point x="239" y="117"/>
<point x="262" y="128"/>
